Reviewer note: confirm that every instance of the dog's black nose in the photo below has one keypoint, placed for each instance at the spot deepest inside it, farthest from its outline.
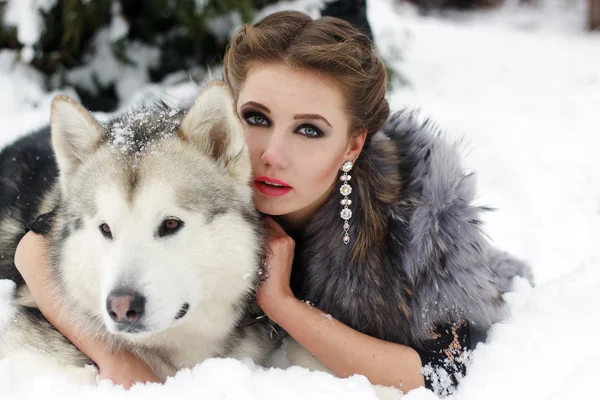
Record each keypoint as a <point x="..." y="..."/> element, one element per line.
<point x="125" y="306"/>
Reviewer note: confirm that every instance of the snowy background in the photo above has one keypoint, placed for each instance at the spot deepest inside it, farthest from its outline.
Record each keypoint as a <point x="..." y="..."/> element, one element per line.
<point x="521" y="86"/>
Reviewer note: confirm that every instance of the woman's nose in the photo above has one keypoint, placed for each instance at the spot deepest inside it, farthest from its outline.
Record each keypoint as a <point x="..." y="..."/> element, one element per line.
<point x="275" y="153"/>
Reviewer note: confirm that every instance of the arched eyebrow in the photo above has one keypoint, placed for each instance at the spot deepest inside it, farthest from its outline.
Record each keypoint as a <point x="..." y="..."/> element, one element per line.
<point x="257" y="105"/>
<point x="312" y="116"/>
<point x="297" y="116"/>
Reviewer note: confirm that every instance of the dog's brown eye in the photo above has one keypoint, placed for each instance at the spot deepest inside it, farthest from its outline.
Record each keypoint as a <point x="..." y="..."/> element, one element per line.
<point x="105" y="229"/>
<point x="169" y="226"/>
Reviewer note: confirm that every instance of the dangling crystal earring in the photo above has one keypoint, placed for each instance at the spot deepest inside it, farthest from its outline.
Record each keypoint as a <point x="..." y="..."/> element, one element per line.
<point x="345" y="190"/>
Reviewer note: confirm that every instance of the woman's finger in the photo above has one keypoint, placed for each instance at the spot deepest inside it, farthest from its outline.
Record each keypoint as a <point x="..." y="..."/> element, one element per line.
<point x="273" y="228"/>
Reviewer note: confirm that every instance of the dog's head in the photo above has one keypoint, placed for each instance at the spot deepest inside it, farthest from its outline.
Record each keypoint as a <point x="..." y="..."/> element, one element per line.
<point x="158" y="222"/>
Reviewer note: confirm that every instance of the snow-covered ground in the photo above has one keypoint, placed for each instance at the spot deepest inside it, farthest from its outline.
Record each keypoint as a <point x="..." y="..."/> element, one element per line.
<point x="522" y="87"/>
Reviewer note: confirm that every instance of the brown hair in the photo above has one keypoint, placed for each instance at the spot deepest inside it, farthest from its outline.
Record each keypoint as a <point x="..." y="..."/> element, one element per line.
<point x="328" y="46"/>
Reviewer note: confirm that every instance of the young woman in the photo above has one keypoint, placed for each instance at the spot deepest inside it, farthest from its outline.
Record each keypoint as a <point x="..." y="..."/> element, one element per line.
<point x="377" y="264"/>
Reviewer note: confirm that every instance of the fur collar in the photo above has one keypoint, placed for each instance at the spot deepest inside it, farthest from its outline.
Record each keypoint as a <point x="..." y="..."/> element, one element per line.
<point x="417" y="256"/>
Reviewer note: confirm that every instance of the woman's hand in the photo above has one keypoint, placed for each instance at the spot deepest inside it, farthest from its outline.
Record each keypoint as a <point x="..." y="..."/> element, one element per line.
<point x="280" y="256"/>
<point x="125" y="369"/>
<point x="31" y="261"/>
<point x="340" y="348"/>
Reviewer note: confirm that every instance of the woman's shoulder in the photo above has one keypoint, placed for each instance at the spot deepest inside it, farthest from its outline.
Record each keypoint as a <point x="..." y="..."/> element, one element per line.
<point x="435" y="231"/>
<point x="430" y="158"/>
<point x="434" y="194"/>
<point x="436" y="204"/>
<point x="436" y="200"/>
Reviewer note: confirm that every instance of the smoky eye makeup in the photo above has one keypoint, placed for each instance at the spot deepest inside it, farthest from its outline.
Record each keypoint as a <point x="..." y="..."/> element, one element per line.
<point x="310" y="131"/>
<point x="255" y="118"/>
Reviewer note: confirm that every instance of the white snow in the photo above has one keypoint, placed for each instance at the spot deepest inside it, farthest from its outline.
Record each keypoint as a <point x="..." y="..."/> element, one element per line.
<point x="522" y="86"/>
<point x="104" y="68"/>
<point x="24" y="104"/>
<point x="119" y="27"/>
<point x="25" y="16"/>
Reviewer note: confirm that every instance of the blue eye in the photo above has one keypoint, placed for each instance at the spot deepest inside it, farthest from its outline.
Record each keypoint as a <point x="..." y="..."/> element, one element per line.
<point x="310" y="131"/>
<point x="256" y="119"/>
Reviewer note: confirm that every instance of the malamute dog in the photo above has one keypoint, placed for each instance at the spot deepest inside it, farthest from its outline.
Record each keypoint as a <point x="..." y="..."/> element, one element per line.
<point x="155" y="245"/>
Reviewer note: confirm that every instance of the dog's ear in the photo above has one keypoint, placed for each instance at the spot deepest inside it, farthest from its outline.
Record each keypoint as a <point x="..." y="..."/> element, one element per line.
<point x="75" y="133"/>
<point x="213" y="124"/>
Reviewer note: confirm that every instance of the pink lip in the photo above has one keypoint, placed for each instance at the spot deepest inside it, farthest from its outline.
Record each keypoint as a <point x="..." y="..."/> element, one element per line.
<point x="271" y="190"/>
<point x="272" y="180"/>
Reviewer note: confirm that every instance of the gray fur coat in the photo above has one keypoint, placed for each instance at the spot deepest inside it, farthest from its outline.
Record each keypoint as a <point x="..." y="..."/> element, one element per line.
<point x="417" y="257"/>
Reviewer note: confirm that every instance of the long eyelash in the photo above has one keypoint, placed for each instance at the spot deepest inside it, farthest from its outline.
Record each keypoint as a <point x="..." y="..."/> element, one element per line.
<point x="317" y="136"/>
<point x="248" y="114"/>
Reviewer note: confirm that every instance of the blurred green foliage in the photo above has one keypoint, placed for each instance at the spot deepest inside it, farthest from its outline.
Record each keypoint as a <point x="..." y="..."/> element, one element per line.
<point x="178" y="28"/>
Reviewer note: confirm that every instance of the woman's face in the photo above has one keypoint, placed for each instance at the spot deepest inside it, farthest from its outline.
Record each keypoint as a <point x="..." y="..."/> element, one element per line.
<point x="297" y="134"/>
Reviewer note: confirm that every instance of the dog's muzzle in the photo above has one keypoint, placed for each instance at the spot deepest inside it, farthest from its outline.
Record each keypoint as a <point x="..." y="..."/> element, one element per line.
<point x="126" y="307"/>
<point x="182" y="311"/>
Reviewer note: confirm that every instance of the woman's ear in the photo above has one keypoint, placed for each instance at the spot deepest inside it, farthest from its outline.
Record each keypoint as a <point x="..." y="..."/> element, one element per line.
<point x="355" y="145"/>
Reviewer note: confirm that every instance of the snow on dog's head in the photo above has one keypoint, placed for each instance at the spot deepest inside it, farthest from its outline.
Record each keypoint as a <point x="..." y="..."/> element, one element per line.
<point x="162" y="232"/>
